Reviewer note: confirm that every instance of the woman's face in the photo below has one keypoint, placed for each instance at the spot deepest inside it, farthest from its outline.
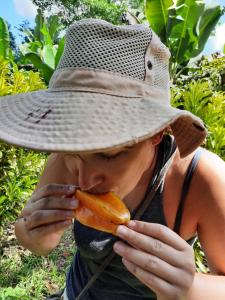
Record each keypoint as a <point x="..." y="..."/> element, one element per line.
<point x="117" y="170"/>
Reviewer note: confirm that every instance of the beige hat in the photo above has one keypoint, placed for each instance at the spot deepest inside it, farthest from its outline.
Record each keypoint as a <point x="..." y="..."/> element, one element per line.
<point x="110" y="89"/>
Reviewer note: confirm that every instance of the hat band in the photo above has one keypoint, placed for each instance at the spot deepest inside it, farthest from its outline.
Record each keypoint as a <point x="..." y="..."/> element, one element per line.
<point x="100" y="81"/>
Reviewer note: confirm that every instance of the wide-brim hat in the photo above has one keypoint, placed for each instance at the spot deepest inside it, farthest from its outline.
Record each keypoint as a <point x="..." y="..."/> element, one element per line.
<point x="110" y="89"/>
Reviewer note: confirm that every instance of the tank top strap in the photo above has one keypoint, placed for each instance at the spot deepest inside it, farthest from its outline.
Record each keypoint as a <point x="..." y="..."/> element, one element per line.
<point x="187" y="181"/>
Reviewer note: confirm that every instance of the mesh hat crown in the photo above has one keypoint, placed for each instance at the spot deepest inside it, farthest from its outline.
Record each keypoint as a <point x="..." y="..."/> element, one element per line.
<point x="110" y="89"/>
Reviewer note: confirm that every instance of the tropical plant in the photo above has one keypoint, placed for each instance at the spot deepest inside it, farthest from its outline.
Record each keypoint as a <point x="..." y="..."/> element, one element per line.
<point x="201" y="98"/>
<point x="209" y="68"/>
<point x="13" y="80"/>
<point x="45" y="45"/>
<point x="71" y="10"/>
<point x="184" y="26"/>
<point x="19" y="168"/>
<point x="5" y="50"/>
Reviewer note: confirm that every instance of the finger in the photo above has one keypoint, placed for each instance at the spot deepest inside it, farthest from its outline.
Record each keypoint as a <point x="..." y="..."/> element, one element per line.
<point x="53" y="189"/>
<point x="160" y="232"/>
<point x="57" y="228"/>
<point x="45" y="217"/>
<point x="151" y="245"/>
<point x="153" y="264"/>
<point x="157" y="284"/>
<point x="51" y="202"/>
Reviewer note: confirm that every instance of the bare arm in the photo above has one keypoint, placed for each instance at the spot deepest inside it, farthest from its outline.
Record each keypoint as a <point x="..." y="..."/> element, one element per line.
<point x="49" y="211"/>
<point x="211" y="228"/>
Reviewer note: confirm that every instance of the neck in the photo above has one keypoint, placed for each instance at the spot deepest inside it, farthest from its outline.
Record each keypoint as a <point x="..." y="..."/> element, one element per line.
<point x="135" y="197"/>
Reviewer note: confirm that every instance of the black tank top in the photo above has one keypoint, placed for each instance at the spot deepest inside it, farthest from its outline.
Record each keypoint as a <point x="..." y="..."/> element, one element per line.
<point x="116" y="283"/>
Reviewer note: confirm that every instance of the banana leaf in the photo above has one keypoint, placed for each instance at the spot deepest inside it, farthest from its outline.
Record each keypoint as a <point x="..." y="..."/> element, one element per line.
<point x="39" y="21"/>
<point x="54" y="27"/>
<point x="4" y="38"/>
<point x="48" y="54"/>
<point x="59" y="51"/>
<point x="157" y="15"/>
<point x="206" y="25"/>
<point x="183" y="29"/>
<point x="47" y="39"/>
<point x="35" y="59"/>
<point x="183" y="25"/>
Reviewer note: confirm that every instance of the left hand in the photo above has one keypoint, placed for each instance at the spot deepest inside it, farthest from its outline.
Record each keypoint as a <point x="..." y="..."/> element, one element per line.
<point x="158" y="257"/>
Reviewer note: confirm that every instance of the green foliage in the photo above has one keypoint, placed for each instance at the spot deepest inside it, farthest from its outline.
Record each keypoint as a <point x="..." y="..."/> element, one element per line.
<point x="200" y="261"/>
<point x="157" y="15"/>
<point x="71" y="10"/>
<point x="45" y="47"/>
<point x="26" y="276"/>
<point x="19" y="168"/>
<point x="184" y="26"/>
<point x="19" y="173"/>
<point x="203" y="95"/>
<point x="5" y="50"/>
<point x="208" y="69"/>
<point x="13" y="293"/>
<point x="13" y="80"/>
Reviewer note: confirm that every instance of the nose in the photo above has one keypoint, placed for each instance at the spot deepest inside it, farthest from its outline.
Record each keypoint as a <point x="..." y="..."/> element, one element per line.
<point x="89" y="175"/>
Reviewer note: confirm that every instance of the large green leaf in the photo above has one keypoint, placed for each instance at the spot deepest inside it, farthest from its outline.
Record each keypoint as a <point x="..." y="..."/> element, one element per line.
<point x="157" y="14"/>
<point x="28" y="34"/>
<point x="39" y="20"/>
<point x="4" y="38"/>
<point x="40" y="65"/>
<point x="30" y="47"/>
<point x="206" y="25"/>
<point x="183" y="29"/>
<point x="49" y="56"/>
<point x="54" y="27"/>
<point x="59" y="51"/>
<point x="47" y="40"/>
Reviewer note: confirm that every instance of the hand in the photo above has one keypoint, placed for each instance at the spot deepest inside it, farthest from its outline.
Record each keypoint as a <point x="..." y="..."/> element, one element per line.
<point x="46" y="216"/>
<point x="158" y="257"/>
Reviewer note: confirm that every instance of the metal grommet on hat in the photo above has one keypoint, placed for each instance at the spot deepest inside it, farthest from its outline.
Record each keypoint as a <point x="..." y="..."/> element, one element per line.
<point x="149" y="65"/>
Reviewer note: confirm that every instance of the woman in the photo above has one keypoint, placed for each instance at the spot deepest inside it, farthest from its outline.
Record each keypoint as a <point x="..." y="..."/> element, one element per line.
<point x="105" y="119"/>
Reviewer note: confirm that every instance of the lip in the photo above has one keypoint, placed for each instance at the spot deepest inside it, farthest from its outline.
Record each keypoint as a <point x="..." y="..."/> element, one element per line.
<point x="97" y="192"/>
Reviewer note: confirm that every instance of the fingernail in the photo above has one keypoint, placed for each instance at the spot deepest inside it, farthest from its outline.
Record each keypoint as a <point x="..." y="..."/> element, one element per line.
<point x="131" y="224"/>
<point x="74" y="203"/>
<point x="121" y="230"/>
<point x="118" y="247"/>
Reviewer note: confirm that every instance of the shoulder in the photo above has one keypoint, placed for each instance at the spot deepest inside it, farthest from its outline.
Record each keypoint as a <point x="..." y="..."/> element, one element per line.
<point x="209" y="199"/>
<point x="208" y="182"/>
<point x="210" y="175"/>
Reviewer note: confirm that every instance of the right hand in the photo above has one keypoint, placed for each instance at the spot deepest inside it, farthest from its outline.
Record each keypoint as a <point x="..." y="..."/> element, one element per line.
<point x="48" y="213"/>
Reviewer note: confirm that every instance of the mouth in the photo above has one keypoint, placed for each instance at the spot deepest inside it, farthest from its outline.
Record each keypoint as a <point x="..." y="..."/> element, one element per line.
<point x="97" y="192"/>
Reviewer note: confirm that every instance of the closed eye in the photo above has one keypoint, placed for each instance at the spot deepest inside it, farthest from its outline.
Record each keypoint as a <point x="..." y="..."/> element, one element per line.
<point x="109" y="157"/>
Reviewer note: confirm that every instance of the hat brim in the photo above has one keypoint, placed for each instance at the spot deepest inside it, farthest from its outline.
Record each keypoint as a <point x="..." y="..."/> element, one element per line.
<point x="69" y="121"/>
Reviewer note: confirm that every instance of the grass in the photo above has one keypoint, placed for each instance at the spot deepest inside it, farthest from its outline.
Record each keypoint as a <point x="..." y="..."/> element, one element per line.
<point x="24" y="276"/>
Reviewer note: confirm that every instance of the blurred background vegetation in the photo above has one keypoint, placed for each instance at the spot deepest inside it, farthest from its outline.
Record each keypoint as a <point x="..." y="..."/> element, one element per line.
<point x="197" y="85"/>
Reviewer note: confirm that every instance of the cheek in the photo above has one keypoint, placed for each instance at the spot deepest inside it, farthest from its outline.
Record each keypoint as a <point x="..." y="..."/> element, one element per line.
<point x="129" y="176"/>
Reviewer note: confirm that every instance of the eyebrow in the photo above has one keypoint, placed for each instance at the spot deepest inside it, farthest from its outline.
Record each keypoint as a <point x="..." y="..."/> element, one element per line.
<point x="116" y="149"/>
<point x="126" y="147"/>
